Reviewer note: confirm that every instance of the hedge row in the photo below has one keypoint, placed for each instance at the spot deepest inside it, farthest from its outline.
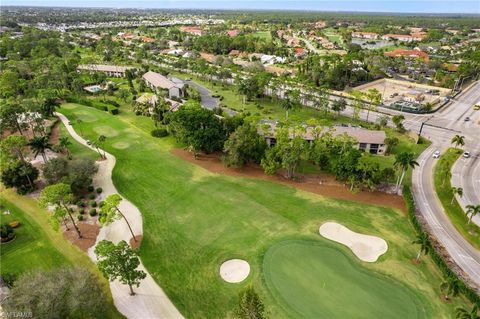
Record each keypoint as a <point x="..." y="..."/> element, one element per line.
<point x="436" y="257"/>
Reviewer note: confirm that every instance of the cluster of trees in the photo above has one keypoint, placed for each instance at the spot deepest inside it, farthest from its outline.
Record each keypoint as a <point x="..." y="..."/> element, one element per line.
<point x="223" y="44"/>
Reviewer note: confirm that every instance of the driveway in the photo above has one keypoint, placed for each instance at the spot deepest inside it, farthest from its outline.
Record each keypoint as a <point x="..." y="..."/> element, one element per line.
<point x="207" y="100"/>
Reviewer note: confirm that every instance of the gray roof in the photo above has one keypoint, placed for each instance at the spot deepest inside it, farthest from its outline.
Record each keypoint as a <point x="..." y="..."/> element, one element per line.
<point x="103" y="68"/>
<point x="160" y="81"/>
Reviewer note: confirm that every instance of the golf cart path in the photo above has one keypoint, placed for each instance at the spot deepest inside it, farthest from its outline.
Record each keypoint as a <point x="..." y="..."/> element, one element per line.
<point x="150" y="301"/>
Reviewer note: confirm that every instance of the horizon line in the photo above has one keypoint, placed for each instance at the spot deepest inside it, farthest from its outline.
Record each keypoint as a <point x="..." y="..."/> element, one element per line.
<point x="241" y="9"/>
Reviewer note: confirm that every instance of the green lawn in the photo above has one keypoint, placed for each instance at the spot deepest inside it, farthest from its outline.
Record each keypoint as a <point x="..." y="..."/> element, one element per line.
<point x="318" y="280"/>
<point x="443" y="187"/>
<point x="263" y="35"/>
<point x="194" y="220"/>
<point x="76" y="148"/>
<point x="37" y="245"/>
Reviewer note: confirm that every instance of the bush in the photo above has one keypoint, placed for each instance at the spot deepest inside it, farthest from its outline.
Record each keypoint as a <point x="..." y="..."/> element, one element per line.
<point x="114" y="111"/>
<point x="81" y="211"/>
<point x="100" y="204"/>
<point x="6" y="233"/>
<point x="90" y="188"/>
<point x="92" y="196"/>
<point x="99" y="190"/>
<point x="81" y="204"/>
<point x="159" y="132"/>
<point x="80" y="217"/>
<point x="93" y="203"/>
<point x="92" y="212"/>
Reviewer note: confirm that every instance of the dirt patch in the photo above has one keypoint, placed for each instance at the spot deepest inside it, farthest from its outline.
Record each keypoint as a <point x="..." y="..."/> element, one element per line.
<point x="136" y="244"/>
<point x="324" y="184"/>
<point x="89" y="235"/>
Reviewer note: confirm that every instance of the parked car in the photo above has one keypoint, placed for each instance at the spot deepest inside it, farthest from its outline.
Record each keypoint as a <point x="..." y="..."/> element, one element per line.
<point x="436" y="154"/>
<point x="466" y="154"/>
<point x="467" y="119"/>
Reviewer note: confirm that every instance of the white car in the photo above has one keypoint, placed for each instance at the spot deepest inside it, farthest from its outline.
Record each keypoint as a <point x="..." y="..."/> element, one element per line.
<point x="436" y="154"/>
<point x="466" y="154"/>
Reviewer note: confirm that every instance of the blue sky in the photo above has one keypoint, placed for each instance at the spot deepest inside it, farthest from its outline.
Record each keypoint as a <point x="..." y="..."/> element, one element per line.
<point x="420" y="6"/>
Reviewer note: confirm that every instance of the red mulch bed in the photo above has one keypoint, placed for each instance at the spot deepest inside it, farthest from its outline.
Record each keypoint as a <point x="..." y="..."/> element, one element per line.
<point x="324" y="185"/>
<point x="89" y="235"/>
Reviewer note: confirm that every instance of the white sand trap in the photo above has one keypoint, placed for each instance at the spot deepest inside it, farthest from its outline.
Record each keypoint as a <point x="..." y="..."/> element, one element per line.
<point x="234" y="270"/>
<point x="365" y="247"/>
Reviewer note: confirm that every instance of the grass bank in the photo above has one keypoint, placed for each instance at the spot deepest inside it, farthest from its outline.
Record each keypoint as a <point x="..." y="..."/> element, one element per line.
<point x="38" y="245"/>
<point x="443" y="188"/>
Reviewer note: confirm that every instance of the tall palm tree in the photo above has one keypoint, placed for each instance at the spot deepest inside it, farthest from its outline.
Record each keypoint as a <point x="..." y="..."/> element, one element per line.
<point x="39" y="145"/>
<point x="450" y="287"/>
<point x="473" y="210"/>
<point x="101" y="140"/>
<point x="458" y="140"/>
<point x="456" y="191"/>
<point x="462" y="313"/>
<point x="404" y="161"/>
<point x="424" y="243"/>
<point x="64" y="143"/>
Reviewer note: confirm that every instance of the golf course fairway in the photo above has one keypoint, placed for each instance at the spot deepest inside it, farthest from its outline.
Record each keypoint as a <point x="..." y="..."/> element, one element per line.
<point x="317" y="280"/>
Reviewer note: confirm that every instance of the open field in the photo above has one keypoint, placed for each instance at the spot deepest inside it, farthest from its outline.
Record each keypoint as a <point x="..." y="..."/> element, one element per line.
<point x="333" y="278"/>
<point x="443" y="187"/>
<point x="38" y="245"/>
<point x="263" y="35"/>
<point x="194" y="220"/>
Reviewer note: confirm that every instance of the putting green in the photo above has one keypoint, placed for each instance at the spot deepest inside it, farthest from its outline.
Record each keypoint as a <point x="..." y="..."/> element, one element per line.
<point x="317" y="280"/>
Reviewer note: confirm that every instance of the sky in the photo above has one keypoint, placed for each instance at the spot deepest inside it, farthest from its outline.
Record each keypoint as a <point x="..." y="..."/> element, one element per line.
<point x="398" y="6"/>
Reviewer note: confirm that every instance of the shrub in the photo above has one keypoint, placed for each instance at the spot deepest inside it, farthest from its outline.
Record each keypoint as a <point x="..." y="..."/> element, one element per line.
<point x="114" y="111"/>
<point x="92" y="196"/>
<point x="92" y="212"/>
<point x="99" y="190"/>
<point x="81" y="211"/>
<point x="100" y="204"/>
<point x="159" y="132"/>
<point x="93" y="203"/>
<point x="81" y="204"/>
<point x="90" y="188"/>
<point x="80" y="217"/>
<point x="6" y="233"/>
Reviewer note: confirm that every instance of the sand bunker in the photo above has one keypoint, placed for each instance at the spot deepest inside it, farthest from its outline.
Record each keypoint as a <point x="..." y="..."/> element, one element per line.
<point x="365" y="247"/>
<point x="234" y="270"/>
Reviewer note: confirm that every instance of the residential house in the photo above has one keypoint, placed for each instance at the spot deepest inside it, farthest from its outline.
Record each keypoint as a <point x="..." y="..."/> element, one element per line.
<point x="233" y="33"/>
<point x="109" y="70"/>
<point x="365" y="35"/>
<point x="191" y="30"/>
<point x="370" y="141"/>
<point x="404" y="37"/>
<point x="157" y="82"/>
<point x="417" y="54"/>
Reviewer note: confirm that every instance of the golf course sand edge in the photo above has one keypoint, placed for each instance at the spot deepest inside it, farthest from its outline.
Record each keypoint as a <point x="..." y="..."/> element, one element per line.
<point x="367" y="248"/>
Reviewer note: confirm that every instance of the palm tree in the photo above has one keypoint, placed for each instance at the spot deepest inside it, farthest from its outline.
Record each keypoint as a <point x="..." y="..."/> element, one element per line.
<point x="473" y="210"/>
<point x="458" y="140"/>
<point x="39" y="145"/>
<point x="450" y="287"/>
<point x="101" y="140"/>
<point x="64" y="143"/>
<point x="462" y="313"/>
<point x="111" y="212"/>
<point x="456" y="191"/>
<point x="404" y="161"/>
<point x="424" y="243"/>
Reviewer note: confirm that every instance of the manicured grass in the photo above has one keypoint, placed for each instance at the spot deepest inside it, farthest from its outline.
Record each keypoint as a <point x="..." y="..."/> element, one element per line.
<point x="443" y="187"/>
<point x="194" y="220"/>
<point x="317" y="280"/>
<point x="38" y="245"/>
